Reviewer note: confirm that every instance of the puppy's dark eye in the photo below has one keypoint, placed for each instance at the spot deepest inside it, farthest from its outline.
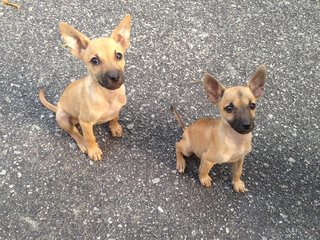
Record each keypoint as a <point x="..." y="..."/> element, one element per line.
<point x="252" y="106"/>
<point x="119" y="56"/>
<point x="95" y="61"/>
<point x="229" y="108"/>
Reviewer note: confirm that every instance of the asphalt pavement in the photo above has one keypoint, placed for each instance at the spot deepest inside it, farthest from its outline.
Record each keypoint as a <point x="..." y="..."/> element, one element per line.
<point x="50" y="190"/>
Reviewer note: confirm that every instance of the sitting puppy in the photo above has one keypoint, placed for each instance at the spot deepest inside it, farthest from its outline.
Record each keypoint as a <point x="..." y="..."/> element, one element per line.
<point x="98" y="97"/>
<point x="224" y="140"/>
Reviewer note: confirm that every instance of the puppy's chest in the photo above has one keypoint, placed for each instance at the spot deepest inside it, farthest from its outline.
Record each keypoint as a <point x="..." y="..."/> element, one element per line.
<point x="110" y="109"/>
<point x="233" y="151"/>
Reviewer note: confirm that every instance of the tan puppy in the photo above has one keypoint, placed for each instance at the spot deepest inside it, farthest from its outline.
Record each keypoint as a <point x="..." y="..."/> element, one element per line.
<point x="224" y="140"/>
<point x="98" y="97"/>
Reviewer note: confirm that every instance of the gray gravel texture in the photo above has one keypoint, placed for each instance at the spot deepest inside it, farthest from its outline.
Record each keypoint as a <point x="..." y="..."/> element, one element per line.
<point x="49" y="190"/>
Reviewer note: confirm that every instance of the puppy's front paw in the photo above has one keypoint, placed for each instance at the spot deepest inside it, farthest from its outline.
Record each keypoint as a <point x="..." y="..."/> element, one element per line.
<point x="82" y="147"/>
<point x="206" y="181"/>
<point x="94" y="153"/>
<point x="239" y="187"/>
<point x="116" y="130"/>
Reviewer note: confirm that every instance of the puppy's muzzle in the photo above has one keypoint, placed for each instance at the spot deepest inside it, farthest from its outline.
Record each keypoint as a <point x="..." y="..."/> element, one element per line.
<point x="112" y="80"/>
<point x="242" y="125"/>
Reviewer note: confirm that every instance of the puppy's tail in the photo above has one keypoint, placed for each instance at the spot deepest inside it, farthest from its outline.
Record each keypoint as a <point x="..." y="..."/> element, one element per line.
<point x="45" y="102"/>
<point x="177" y="117"/>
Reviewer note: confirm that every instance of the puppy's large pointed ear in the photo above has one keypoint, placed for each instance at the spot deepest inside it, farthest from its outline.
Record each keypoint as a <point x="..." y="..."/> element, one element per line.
<point x="257" y="81"/>
<point x="75" y="40"/>
<point x="213" y="88"/>
<point x="122" y="33"/>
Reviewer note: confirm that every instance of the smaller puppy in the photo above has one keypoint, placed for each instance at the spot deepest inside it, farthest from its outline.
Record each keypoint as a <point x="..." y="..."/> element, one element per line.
<point x="98" y="97"/>
<point x="224" y="140"/>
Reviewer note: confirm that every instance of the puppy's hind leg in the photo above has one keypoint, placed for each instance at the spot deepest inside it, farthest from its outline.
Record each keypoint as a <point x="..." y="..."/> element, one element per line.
<point x="65" y="122"/>
<point x="182" y="150"/>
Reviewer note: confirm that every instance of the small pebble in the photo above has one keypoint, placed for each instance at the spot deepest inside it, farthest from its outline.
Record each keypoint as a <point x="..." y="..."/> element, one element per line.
<point x="156" y="180"/>
<point x="160" y="209"/>
<point x="130" y="126"/>
<point x="291" y="160"/>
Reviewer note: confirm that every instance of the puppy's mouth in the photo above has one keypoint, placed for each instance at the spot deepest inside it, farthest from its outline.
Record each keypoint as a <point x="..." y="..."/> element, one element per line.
<point x="243" y="132"/>
<point x="110" y="86"/>
<point x="242" y="127"/>
<point x="112" y="80"/>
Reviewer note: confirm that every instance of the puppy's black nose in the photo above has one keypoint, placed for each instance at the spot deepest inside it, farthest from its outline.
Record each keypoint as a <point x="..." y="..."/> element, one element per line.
<point x="114" y="76"/>
<point x="246" y="126"/>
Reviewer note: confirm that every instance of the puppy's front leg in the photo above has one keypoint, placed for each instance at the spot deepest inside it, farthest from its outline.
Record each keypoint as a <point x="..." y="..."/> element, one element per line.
<point x="238" y="185"/>
<point x="115" y="127"/>
<point x="205" y="166"/>
<point x="94" y="152"/>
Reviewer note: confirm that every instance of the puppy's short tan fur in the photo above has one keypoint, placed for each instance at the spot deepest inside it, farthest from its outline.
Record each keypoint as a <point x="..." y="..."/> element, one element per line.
<point x="224" y="140"/>
<point x="98" y="97"/>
